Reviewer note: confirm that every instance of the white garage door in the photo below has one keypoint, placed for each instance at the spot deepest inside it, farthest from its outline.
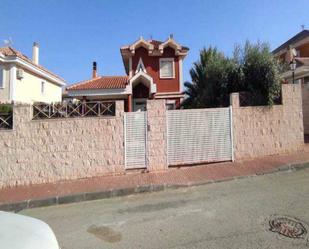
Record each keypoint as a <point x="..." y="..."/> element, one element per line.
<point x="199" y="135"/>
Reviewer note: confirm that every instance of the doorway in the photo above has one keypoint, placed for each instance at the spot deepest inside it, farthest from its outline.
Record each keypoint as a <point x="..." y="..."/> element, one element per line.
<point x="139" y="104"/>
<point x="140" y="96"/>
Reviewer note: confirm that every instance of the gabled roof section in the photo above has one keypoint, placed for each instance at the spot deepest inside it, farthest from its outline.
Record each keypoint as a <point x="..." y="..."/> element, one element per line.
<point x="141" y="43"/>
<point x="145" y="79"/>
<point x="295" y="39"/>
<point x="102" y="82"/>
<point x="12" y="52"/>
<point x="170" y="42"/>
<point x="154" y="47"/>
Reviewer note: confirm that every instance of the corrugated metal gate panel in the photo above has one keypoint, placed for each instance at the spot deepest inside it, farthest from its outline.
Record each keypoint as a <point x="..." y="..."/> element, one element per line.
<point x="199" y="135"/>
<point x="135" y="124"/>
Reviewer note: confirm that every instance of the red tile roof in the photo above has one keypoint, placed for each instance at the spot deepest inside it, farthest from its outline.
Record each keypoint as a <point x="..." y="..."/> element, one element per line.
<point x="103" y="82"/>
<point x="298" y="37"/>
<point x="9" y="51"/>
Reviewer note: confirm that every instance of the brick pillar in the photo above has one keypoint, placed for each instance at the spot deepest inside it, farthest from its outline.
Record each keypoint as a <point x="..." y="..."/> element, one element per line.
<point x="234" y="100"/>
<point x="22" y="113"/>
<point x="292" y="109"/>
<point x="156" y="135"/>
<point x="119" y="112"/>
<point x="291" y="94"/>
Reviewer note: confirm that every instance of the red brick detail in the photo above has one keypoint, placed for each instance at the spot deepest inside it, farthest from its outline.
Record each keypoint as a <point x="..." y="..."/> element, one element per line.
<point x="129" y="103"/>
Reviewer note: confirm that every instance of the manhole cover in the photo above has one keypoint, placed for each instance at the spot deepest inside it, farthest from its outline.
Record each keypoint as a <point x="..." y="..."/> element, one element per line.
<point x="288" y="227"/>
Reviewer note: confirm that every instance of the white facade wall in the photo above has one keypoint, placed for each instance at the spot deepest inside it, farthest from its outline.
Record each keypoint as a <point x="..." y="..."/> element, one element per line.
<point x="5" y="90"/>
<point x="28" y="88"/>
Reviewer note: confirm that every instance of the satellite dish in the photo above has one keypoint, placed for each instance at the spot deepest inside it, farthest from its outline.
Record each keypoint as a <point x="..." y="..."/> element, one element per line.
<point x="294" y="52"/>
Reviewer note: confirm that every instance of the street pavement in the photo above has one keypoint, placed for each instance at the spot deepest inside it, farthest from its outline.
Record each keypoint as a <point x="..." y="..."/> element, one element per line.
<point x="230" y="214"/>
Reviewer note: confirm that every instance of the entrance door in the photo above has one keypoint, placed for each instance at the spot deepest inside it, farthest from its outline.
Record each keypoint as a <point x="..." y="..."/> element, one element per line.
<point x="135" y="131"/>
<point x="139" y="104"/>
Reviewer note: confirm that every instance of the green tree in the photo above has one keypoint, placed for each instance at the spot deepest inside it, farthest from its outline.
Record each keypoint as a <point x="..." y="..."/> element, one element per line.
<point x="252" y="69"/>
<point x="209" y="76"/>
<point x="261" y="73"/>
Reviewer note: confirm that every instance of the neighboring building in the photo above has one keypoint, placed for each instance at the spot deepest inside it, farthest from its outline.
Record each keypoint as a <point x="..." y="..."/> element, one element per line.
<point x="296" y="50"/>
<point x="24" y="80"/>
<point x="154" y="71"/>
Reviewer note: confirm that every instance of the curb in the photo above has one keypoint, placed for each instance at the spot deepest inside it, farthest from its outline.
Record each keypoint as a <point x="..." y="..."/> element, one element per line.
<point x="90" y="196"/>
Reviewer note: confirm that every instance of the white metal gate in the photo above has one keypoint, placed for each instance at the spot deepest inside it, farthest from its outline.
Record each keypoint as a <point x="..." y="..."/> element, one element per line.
<point x="135" y="131"/>
<point x="199" y="135"/>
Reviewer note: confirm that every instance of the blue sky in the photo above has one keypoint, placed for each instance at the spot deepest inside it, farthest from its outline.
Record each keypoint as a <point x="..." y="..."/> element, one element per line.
<point x="72" y="34"/>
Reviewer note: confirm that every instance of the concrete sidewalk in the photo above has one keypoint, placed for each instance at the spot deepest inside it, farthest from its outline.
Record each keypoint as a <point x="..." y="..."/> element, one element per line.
<point x="136" y="182"/>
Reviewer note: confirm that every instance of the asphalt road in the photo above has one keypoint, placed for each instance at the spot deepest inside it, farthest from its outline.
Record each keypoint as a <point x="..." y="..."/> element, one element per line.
<point x="233" y="214"/>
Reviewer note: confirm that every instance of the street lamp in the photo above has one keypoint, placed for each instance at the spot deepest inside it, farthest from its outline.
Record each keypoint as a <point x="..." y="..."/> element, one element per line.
<point x="293" y="67"/>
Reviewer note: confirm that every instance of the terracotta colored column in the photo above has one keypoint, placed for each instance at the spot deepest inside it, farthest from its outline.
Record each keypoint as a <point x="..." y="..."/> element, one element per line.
<point x="130" y="103"/>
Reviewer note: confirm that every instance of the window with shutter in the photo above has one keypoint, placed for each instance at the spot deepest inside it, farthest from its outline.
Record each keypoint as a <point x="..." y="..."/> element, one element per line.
<point x="167" y="68"/>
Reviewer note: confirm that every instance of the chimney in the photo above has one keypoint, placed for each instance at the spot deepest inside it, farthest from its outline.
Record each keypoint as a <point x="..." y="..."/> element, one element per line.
<point x="94" y="69"/>
<point x="35" y="53"/>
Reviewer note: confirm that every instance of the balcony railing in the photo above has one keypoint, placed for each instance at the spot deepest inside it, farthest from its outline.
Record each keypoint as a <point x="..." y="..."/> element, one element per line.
<point x="6" y="117"/>
<point x="73" y="110"/>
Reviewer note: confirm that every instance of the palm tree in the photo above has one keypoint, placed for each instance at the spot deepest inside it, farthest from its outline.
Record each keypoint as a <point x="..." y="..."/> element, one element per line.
<point x="208" y="76"/>
<point x="252" y="69"/>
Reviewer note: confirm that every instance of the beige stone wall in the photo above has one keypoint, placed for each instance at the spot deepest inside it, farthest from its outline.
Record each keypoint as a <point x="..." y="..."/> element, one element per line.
<point x="39" y="151"/>
<point x="305" y="99"/>
<point x="260" y="131"/>
<point x="156" y="135"/>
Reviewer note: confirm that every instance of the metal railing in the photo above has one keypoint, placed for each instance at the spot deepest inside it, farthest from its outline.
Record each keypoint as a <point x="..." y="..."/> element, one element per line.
<point x="73" y="110"/>
<point x="6" y="117"/>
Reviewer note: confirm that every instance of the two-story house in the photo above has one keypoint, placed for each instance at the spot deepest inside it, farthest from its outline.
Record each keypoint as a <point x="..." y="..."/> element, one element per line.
<point x="295" y="52"/>
<point x="296" y="48"/>
<point x="153" y="71"/>
<point x="25" y="80"/>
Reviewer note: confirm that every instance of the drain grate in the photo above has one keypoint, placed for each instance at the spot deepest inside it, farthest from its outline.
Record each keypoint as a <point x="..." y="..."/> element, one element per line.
<point x="288" y="227"/>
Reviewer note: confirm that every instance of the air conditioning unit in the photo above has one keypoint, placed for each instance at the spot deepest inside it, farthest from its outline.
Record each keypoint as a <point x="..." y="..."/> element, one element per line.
<point x="20" y="74"/>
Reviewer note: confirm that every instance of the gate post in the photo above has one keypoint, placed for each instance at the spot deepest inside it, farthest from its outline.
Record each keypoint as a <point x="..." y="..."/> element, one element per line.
<point x="156" y="135"/>
<point x="234" y="106"/>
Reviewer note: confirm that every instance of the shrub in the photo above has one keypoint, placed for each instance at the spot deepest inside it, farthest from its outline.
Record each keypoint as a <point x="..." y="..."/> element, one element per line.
<point x="5" y="108"/>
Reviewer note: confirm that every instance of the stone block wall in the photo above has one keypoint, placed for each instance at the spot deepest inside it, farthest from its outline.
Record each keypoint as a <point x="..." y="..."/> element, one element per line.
<point x="156" y="135"/>
<point x="305" y="98"/>
<point x="39" y="151"/>
<point x="260" y="131"/>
